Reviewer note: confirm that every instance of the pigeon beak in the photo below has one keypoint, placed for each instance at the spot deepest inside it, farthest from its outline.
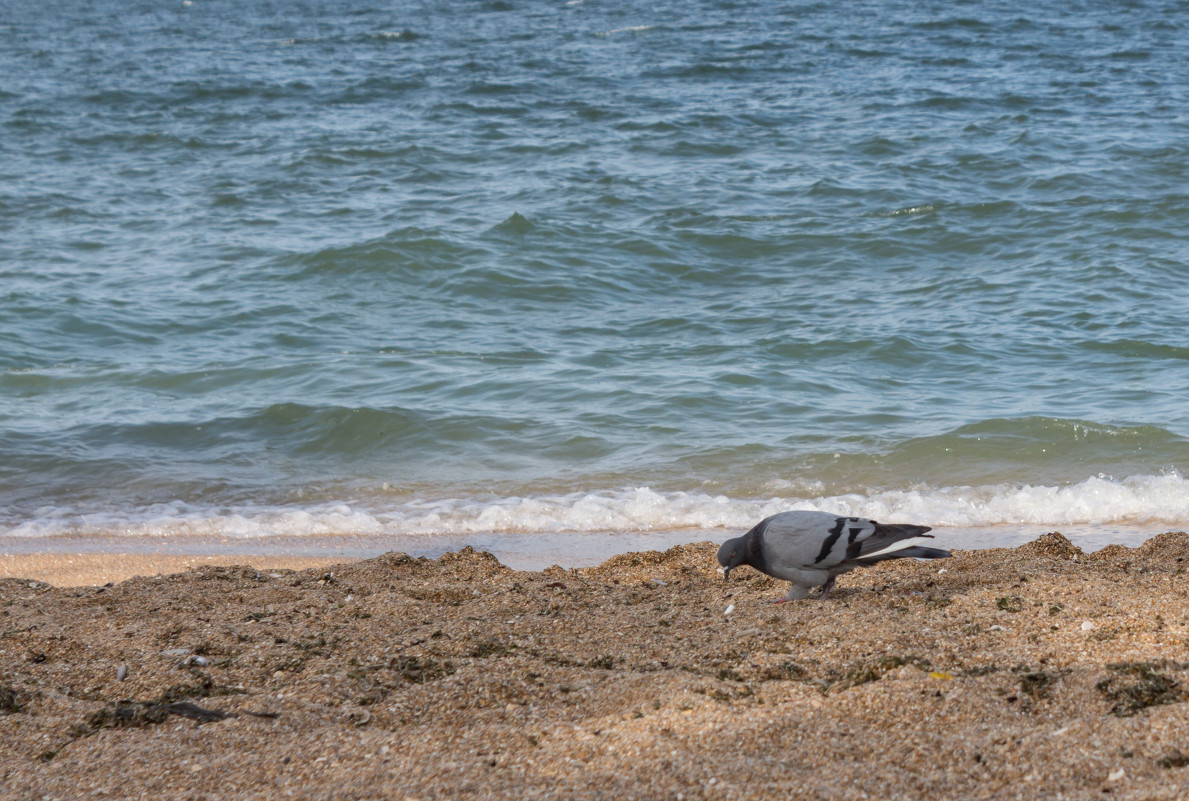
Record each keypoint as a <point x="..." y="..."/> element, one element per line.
<point x="726" y="573"/>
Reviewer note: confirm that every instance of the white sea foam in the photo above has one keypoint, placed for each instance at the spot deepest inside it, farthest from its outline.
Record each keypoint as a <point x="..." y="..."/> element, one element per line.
<point x="1096" y="501"/>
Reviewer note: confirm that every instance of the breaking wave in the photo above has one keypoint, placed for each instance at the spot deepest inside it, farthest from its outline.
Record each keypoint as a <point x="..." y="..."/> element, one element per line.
<point x="1095" y="501"/>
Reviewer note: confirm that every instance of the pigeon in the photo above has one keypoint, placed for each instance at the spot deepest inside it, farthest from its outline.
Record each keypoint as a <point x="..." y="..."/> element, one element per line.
<point x="812" y="548"/>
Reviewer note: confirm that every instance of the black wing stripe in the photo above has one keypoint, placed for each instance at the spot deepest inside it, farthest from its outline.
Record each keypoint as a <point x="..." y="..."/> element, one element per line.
<point x="835" y="533"/>
<point x="853" y="548"/>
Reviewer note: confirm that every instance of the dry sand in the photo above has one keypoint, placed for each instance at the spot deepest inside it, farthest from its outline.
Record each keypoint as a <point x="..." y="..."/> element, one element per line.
<point x="1036" y="672"/>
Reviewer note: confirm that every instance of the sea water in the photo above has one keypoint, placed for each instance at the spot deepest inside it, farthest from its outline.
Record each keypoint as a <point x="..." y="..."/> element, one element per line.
<point x="571" y="277"/>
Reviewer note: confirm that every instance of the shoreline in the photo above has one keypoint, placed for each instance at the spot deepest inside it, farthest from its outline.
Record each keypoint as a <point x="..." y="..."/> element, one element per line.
<point x="1035" y="672"/>
<point x="89" y="560"/>
<point x="99" y="569"/>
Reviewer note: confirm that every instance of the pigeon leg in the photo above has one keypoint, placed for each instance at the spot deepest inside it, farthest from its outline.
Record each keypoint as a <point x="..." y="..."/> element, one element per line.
<point x="829" y="585"/>
<point x="796" y="592"/>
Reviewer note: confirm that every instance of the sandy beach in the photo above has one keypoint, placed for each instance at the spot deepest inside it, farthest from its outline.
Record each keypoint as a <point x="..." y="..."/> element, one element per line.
<point x="1032" y="672"/>
<point x="98" y="568"/>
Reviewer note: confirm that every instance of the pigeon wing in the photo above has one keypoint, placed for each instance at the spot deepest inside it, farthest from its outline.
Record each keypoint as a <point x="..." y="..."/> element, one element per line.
<point x="805" y="540"/>
<point x="880" y="538"/>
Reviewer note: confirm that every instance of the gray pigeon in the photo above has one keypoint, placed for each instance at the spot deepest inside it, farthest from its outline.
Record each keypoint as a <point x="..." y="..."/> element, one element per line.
<point x="812" y="548"/>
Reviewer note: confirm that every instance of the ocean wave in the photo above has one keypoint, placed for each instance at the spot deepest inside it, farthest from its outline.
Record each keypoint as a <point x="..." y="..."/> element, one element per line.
<point x="1095" y="501"/>
<point x="404" y="253"/>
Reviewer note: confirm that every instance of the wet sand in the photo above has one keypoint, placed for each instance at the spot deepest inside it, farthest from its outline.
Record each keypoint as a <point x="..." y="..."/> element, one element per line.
<point x="1032" y="672"/>
<point x="98" y="568"/>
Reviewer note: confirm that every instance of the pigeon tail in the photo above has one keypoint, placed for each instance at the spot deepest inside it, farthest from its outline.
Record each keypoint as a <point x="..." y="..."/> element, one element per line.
<point x="914" y="552"/>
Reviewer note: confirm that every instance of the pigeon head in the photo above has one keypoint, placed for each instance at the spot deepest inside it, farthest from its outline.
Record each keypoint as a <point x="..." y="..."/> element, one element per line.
<point x="732" y="554"/>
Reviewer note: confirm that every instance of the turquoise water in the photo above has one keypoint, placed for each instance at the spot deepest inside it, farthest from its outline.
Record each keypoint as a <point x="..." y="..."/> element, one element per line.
<point x="508" y="269"/>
